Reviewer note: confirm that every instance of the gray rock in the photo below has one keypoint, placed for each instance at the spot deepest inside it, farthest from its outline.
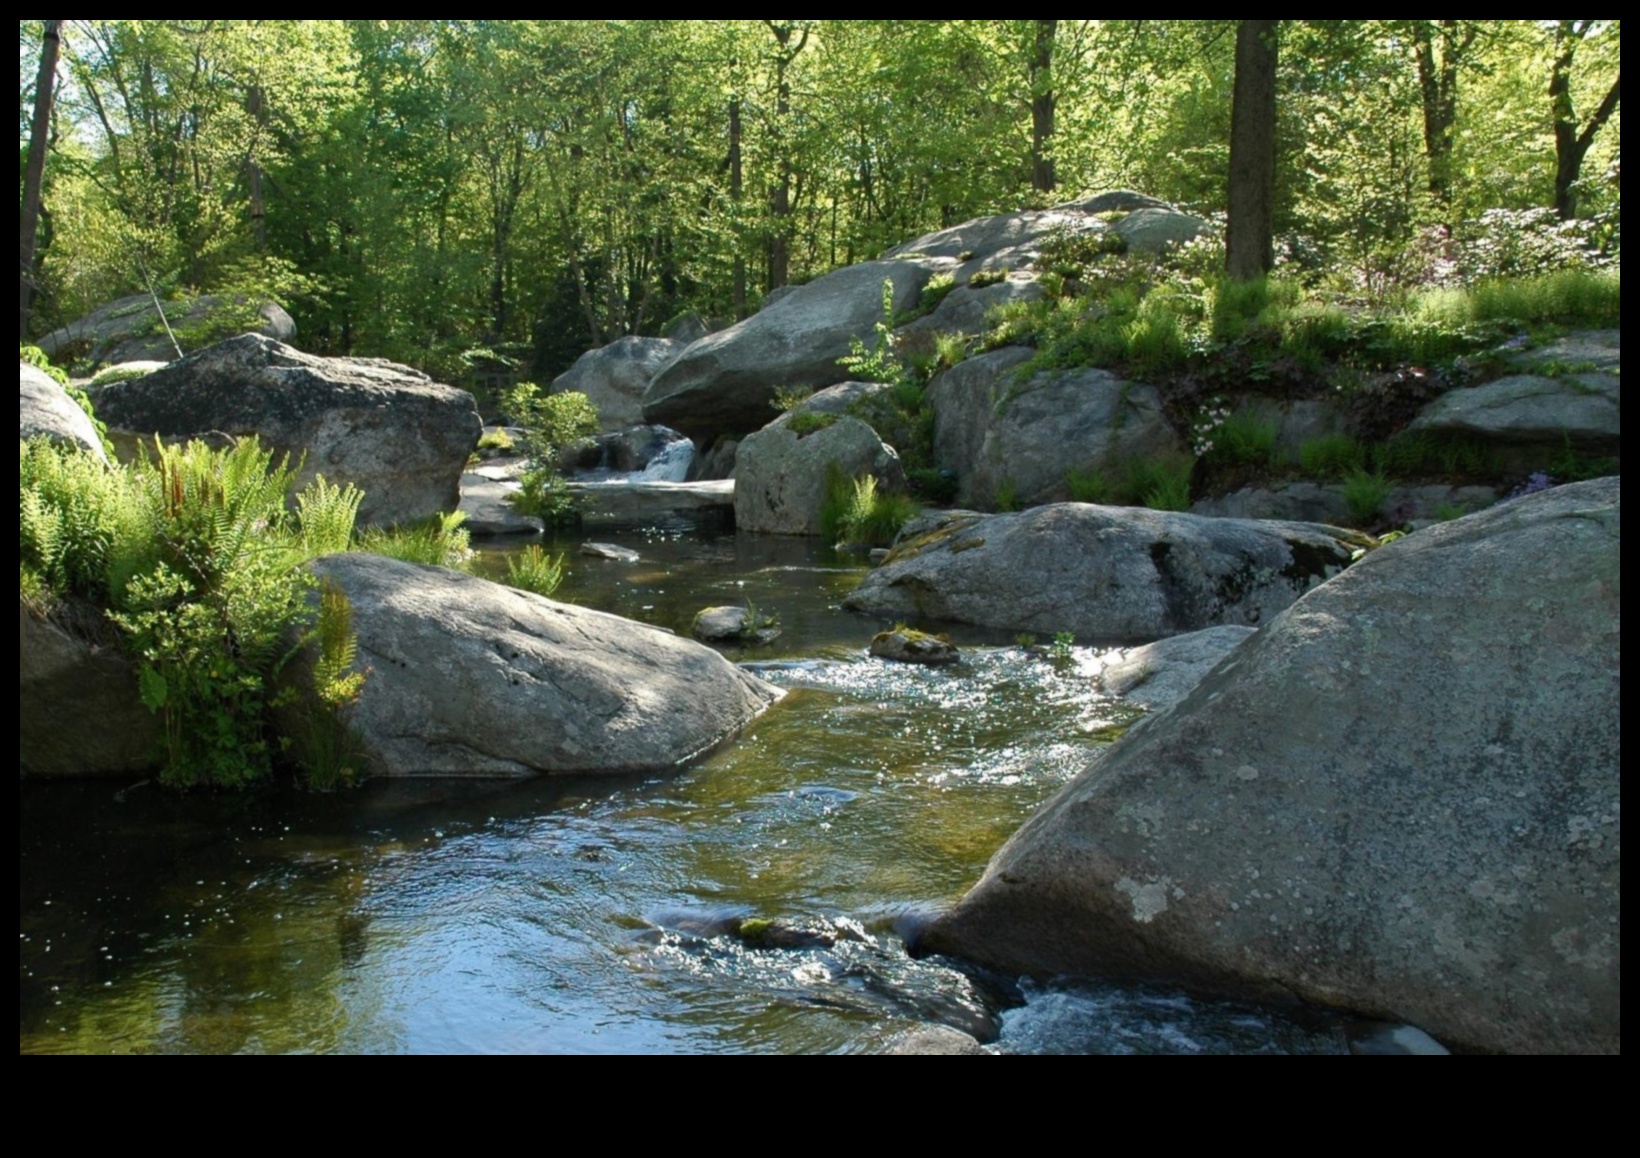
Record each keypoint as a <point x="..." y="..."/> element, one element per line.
<point x="1586" y="409"/>
<point x="1157" y="230"/>
<point x="777" y="295"/>
<point x="964" y="401"/>
<point x="469" y="678"/>
<point x="1600" y="351"/>
<point x="1159" y="675"/>
<point x="964" y="309"/>
<point x="609" y="552"/>
<point x="44" y="410"/>
<point x="904" y="646"/>
<point x="1118" y="201"/>
<point x="1402" y="797"/>
<point x="129" y="330"/>
<point x="1109" y="574"/>
<point x="932" y="1041"/>
<point x="78" y="709"/>
<point x="1382" y="1039"/>
<point x="1304" y="502"/>
<point x="686" y="328"/>
<point x="724" y="383"/>
<point x="1010" y="241"/>
<point x="1031" y="434"/>
<point x="717" y="463"/>
<point x="928" y="523"/>
<point x="487" y="504"/>
<point x="389" y="430"/>
<point x="1414" y="506"/>
<point x="781" y="477"/>
<point x="615" y="378"/>
<point x="734" y="625"/>
<point x="636" y="503"/>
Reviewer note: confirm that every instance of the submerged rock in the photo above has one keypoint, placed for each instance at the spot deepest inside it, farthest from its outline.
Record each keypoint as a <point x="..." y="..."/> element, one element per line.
<point x="734" y="625"/>
<point x="401" y="438"/>
<point x="469" y="678"/>
<point x="487" y="503"/>
<point x="609" y="552"/>
<point x="634" y="503"/>
<point x="1103" y="573"/>
<point x="932" y="1041"/>
<point x="1401" y="797"/>
<point x="44" y="410"/>
<point x="902" y="645"/>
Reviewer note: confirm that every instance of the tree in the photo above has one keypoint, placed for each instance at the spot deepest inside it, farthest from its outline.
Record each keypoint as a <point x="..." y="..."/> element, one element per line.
<point x="1249" y="239"/>
<point x="1043" y="101"/>
<point x="1572" y="139"/>
<point x="34" y="170"/>
<point x="1441" y="48"/>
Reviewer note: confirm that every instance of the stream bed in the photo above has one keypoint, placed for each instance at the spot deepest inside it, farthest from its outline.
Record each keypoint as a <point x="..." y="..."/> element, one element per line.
<point x="756" y="902"/>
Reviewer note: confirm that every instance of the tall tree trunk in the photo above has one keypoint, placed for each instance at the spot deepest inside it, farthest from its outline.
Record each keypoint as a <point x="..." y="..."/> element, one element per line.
<point x="1438" y="87"/>
<point x="253" y="170"/>
<point x="790" y="44"/>
<point x="736" y="186"/>
<point x="34" y="172"/>
<point x="1571" y="144"/>
<point x="1042" y="106"/>
<point x="1249" y="238"/>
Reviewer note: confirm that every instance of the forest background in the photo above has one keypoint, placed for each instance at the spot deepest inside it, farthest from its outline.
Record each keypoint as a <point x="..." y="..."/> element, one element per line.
<point x="488" y="199"/>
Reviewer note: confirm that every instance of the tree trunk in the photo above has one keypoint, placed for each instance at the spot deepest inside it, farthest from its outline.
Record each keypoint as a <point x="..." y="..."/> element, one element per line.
<point x="34" y="172"/>
<point x="1042" y="106"/>
<point x="1572" y="145"/>
<point x="253" y="173"/>
<point x="736" y="185"/>
<point x="1249" y="240"/>
<point x="1438" y="87"/>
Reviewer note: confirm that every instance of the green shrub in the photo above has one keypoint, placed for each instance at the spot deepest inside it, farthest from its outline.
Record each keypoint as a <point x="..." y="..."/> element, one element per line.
<point x="545" y="495"/>
<point x="437" y="541"/>
<point x="857" y="512"/>
<point x="1428" y="454"/>
<point x="496" y="441"/>
<point x="1365" y="492"/>
<point x="981" y="278"/>
<point x="939" y="287"/>
<point x="1007" y="496"/>
<point x="535" y="571"/>
<point x="40" y="360"/>
<point x="123" y="372"/>
<point x="1331" y="456"/>
<point x="1246" y="438"/>
<point x="1162" y="484"/>
<point x="550" y="421"/>
<point x="1090" y="486"/>
<point x="322" y="741"/>
<point x="789" y="397"/>
<point x="806" y="422"/>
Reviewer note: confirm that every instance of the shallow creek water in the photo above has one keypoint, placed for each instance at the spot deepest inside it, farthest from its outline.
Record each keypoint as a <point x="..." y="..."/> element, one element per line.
<point x="599" y="916"/>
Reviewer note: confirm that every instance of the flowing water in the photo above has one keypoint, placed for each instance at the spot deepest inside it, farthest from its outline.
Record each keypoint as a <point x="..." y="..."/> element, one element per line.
<point x="757" y="902"/>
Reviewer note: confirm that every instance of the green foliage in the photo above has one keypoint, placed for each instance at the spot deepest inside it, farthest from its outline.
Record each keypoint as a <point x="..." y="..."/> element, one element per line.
<point x="496" y="442"/>
<point x="437" y="541"/>
<point x="1063" y="642"/>
<point x="545" y="495"/>
<point x="1162" y="483"/>
<point x="323" y="742"/>
<point x="1089" y="486"/>
<point x="1365" y="492"/>
<point x="806" y="422"/>
<point x="83" y="529"/>
<point x="1007" y="496"/>
<point x="124" y="372"/>
<point x="550" y="421"/>
<point x="1429" y="454"/>
<point x="858" y="513"/>
<point x="981" y="278"/>
<point x="40" y="360"/>
<point x="1246" y="438"/>
<point x="325" y="516"/>
<point x="790" y="397"/>
<point x="878" y="364"/>
<point x="535" y="571"/>
<point x="932" y="484"/>
<point x="1331" y="456"/>
<point x="1570" y="297"/>
<point x="936" y="291"/>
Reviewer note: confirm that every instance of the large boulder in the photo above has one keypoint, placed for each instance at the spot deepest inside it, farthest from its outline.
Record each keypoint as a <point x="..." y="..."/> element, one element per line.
<point x="1584" y="409"/>
<point x="1113" y="574"/>
<point x="724" y="383"/>
<point x="994" y="430"/>
<point x="615" y="378"/>
<point x="44" y="410"/>
<point x="130" y="329"/>
<point x="78" y="709"/>
<point x="964" y="309"/>
<point x="389" y="430"/>
<point x="1401" y="797"/>
<point x="1157" y="229"/>
<point x="469" y="678"/>
<point x="783" y="471"/>
<point x="1159" y="675"/>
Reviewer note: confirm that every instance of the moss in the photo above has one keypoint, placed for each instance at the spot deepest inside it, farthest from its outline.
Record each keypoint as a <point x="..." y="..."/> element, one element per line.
<point x="806" y="422"/>
<point x="915" y="547"/>
<point x="967" y="545"/>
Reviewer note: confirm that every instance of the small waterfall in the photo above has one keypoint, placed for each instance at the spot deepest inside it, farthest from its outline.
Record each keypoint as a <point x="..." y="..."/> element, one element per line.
<point x="671" y="464"/>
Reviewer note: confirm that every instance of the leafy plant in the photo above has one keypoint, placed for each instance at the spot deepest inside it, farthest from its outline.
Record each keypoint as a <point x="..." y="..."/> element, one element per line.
<point x="323" y="744"/>
<point x="1161" y="483"/>
<point x="437" y="541"/>
<point x="1364" y="493"/>
<point x="790" y="397"/>
<point x="1063" y="642"/>
<point x="857" y="512"/>
<point x="878" y="364"/>
<point x="1090" y="485"/>
<point x="535" y="571"/>
<point x="981" y="278"/>
<point x="806" y="422"/>
<point x="1331" y="456"/>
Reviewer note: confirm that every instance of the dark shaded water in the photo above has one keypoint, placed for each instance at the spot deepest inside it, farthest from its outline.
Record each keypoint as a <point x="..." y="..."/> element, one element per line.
<point x="599" y="916"/>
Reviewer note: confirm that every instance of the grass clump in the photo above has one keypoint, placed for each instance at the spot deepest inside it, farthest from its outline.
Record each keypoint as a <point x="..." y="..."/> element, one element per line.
<point x="535" y="571"/>
<point x="550" y="422"/>
<point x="1331" y="456"/>
<point x="981" y="278"/>
<point x="857" y="512"/>
<point x="1365" y="492"/>
<point x="1161" y="483"/>
<point x="437" y="541"/>
<point x="806" y="422"/>
<point x="1246" y="438"/>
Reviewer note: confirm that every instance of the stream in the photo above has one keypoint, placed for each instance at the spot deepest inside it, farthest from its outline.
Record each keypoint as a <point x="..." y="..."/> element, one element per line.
<point x="610" y="915"/>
